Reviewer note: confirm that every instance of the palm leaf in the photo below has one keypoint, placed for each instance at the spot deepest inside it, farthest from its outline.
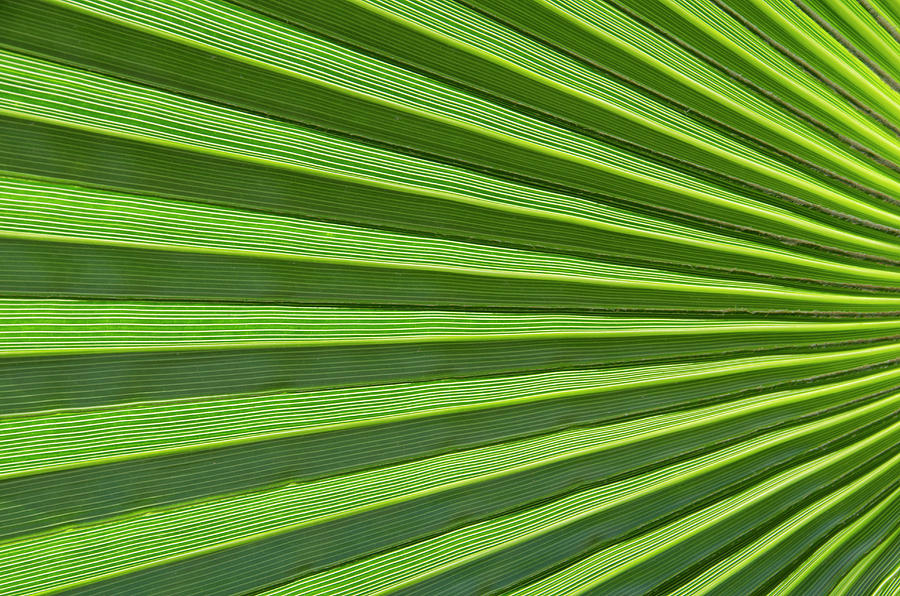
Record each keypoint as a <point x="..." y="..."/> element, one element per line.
<point x="442" y="297"/>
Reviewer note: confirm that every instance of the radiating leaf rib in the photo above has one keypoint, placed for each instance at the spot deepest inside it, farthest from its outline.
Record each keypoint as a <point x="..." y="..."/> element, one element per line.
<point x="343" y="431"/>
<point x="610" y="39"/>
<point x="434" y="15"/>
<point x="854" y="25"/>
<point x="877" y="568"/>
<point x="166" y="119"/>
<point x="511" y="547"/>
<point x="649" y="559"/>
<point x="71" y="265"/>
<point x="390" y="203"/>
<point x="752" y="567"/>
<point x="268" y="45"/>
<point x="890" y="585"/>
<point x="885" y="13"/>
<point x="449" y="297"/>
<point x="717" y="35"/>
<point x="827" y="566"/>
<point x="373" y="347"/>
<point x="52" y="326"/>
<point x="811" y="46"/>
<point x="540" y="461"/>
<point x="40" y="208"/>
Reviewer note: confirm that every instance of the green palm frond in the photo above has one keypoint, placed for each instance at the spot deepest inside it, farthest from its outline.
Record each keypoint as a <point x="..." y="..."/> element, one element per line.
<point x="448" y="297"/>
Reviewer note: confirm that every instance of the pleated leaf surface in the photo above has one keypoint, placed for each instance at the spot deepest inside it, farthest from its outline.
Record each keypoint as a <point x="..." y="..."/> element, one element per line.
<point x="449" y="297"/>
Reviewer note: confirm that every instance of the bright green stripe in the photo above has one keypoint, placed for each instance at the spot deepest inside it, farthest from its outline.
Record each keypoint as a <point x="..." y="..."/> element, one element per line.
<point x="644" y="562"/>
<point x="519" y="544"/>
<point x="858" y="27"/>
<point x="889" y="13"/>
<point x="890" y="585"/>
<point x="92" y="436"/>
<point x="208" y="128"/>
<point x="56" y="325"/>
<point x="429" y="297"/>
<point x="34" y="207"/>
<point x="874" y="569"/>
<point x="268" y="45"/>
<point x="789" y="26"/>
<point x="821" y="571"/>
<point x="103" y="217"/>
<point x="615" y="41"/>
<point x="752" y="566"/>
<point x="72" y="266"/>
<point x="716" y="34"/>
<point x="275" y="512"/>
<point x="330" y="245"/>
<point x="303" y="348"/>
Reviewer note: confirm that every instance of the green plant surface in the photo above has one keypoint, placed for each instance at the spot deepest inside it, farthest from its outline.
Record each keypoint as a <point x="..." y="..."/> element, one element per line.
<point x="449" y="297"/>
